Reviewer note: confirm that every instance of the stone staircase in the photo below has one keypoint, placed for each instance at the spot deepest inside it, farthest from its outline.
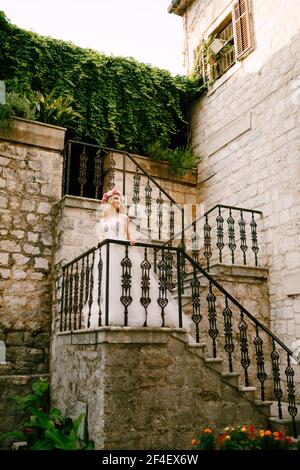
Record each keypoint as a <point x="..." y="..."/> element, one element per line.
<point x="267" y="408"/>
<point x="234" y="310"/>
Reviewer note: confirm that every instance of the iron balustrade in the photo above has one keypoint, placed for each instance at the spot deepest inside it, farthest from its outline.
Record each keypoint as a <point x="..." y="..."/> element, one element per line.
<point x="78" y="277"/>
<point x="229" y="330"/>
<point x="233" y="334"/>
<point x="236" y="235"/>
<point x="223" y="234"/>
<point x="89" y="170"/>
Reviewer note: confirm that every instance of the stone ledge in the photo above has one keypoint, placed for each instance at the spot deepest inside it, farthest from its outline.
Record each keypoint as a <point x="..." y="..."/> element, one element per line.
<point x="118" y="334"/>
<point x="37" y="134"/>
<point x="156" y="169"/>
<point x="79" y="202"/>
<point x="237" y="270"/>
<point x="240" y="270"/>
<point x="22" y="378"/>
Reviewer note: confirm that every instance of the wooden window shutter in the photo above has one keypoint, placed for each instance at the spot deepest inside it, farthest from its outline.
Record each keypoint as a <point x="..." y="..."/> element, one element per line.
<point x="241" y="28"/>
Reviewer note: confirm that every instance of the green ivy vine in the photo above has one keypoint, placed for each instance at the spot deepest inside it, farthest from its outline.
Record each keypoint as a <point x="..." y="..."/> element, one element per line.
<point x="120" y="102"/>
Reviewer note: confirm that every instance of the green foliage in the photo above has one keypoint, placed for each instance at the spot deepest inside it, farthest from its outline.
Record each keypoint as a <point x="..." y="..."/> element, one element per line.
<point x="243" y="438"/>
<point x="120" y="102"/>
<point x="22" y="106"/>
<point x="181" y="159"/>
<point x="38" y="399"/>
<point x="57" y="111"/>
<point x="46" y="430"/>
<point x="15" y="105"/>
<point x="6" y="117"/>
<point x="35" y="106"/>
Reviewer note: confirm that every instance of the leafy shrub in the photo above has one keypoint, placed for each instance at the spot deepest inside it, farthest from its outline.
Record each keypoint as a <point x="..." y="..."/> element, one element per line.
<point x="46" y="430"/>
<point x="243" y="438"/>
<point x="51" y="109"/>
<point x="6" y="116"/>
<point x="55" y="110"/>
<point x="181" y="159"/>
<point x="123" y="104"/>
<point x="21" y="106"/>
<point x="16" y="105"/>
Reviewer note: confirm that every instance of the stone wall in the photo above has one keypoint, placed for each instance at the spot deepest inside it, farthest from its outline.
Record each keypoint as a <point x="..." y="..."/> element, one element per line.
<point x="247" y="129"/>
<point x="30" y="185"/>
<point x="143" y="389"/>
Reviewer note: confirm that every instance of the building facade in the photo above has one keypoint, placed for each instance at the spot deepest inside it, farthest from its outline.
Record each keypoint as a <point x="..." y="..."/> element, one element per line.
<point x="246" y="127"/>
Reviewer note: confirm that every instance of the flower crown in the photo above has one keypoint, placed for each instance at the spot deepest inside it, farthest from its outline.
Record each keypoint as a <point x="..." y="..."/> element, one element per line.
<point x="110" y="193"/>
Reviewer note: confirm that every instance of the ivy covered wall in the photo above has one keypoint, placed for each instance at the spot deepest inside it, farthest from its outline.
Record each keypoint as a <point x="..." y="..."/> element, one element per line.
<point x="122" y="103"/>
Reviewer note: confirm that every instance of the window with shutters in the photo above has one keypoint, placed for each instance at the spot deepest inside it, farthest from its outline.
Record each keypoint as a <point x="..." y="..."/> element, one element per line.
<point x="242" y="28"/>
<point x="224" y="59"/>
<point x="228" y="43"/>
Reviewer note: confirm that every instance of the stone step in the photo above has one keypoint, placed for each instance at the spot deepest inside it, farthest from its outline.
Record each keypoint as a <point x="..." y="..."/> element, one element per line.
<point x="214" y="363"/>
<point x="231" y="378"/>
<point x="196" y="348"/>
<point x="249" y="392"/>
<point x="284" y="409"/>
<point x="284" y="425"/>
<point x="264" y="406"/>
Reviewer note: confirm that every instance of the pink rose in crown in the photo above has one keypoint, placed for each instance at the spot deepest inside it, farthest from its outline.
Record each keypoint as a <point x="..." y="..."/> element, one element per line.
<point x="110" y="193"/>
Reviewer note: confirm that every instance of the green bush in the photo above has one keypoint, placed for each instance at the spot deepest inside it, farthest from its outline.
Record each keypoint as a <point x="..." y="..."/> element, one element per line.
<point x="120" y="102"/>
<point x="243" y="438"/>
<point x="15" y="105"/>
<point x="46" y="429"/>
<point x="37" y="107"/>
<point x="55" y="110"/>
<point x="181" y="159"/>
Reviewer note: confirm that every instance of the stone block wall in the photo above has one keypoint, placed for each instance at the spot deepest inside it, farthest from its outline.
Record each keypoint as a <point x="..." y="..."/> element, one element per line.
<point x="247" y="129"/>
<point x="143" y="389"/>
<point x="30" y="186"/>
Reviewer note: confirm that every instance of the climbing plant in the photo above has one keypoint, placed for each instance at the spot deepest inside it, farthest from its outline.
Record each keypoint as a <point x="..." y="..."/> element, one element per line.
<point x="120" y="102"/>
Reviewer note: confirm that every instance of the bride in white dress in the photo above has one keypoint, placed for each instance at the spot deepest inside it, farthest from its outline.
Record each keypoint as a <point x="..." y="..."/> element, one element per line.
<point x="135" y="307"/>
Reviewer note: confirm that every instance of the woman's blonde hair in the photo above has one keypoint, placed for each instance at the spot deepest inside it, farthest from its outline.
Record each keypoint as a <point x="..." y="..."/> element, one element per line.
<point x="109" y="209"/>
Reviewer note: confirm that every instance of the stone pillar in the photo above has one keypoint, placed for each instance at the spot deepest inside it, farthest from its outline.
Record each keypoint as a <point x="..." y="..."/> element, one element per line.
<point x="143" y="388"/>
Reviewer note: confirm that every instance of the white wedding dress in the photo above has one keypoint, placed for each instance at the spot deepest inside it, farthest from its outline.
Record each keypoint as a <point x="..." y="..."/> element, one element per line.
<point x="115" y="228"/>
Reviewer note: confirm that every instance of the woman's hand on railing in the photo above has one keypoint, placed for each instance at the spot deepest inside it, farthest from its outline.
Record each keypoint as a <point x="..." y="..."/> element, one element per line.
<point x="132" y="242"/>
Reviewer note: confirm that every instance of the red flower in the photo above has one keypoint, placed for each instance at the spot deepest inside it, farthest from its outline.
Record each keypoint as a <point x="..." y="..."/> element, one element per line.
<point x="28" y="430"/>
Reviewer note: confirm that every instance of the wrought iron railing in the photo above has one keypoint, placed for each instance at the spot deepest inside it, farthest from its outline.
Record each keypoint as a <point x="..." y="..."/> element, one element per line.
<point x="235" y="236"/>
<point x="235" y="335"/>
<point x="89" y="170"/>
<point x="229" y="330"/>
<point x="223" y="234"/>
<point x="84" y="285"/>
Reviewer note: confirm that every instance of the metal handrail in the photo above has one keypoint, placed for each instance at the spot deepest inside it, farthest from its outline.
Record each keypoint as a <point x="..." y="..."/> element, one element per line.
<point x="237" y="304"/>
<point x="109" y="149"/>
<point x="153" y="180"/>
<point x="119" y="242"/>
<point x="199" y="268"/>
<point x="224" y="206"/>
<point x="220" y="206"/>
